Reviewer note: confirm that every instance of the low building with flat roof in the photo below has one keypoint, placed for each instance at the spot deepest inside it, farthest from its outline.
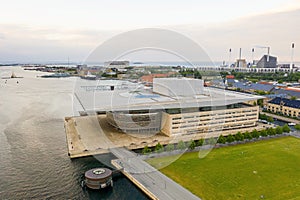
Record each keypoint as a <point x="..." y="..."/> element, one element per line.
<point x="175" y="106"/>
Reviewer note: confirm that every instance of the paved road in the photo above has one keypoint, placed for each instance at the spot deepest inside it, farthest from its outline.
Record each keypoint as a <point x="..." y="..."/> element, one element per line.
<point x="286" y="119"/>
<point x="157" y="183"/>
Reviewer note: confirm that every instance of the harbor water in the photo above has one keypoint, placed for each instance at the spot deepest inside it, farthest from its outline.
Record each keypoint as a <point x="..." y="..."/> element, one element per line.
<point x="33" y="154"/>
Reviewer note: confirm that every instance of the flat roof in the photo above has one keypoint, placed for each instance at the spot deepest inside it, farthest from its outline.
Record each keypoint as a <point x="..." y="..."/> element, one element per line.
<point x="138" y="97"/>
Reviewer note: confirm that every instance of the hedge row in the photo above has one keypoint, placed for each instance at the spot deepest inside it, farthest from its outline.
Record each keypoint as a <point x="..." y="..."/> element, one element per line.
<point x="221" y="140"/>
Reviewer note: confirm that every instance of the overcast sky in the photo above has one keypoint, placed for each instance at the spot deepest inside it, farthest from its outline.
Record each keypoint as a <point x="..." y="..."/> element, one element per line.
<point x="53" y="30"/>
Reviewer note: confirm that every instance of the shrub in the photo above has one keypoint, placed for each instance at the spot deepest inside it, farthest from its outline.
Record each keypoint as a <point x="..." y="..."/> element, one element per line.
<point x="221" y="140"/>
<point x="230" y="138"/>
<point x="286" y="128"/>
<point x="146" y="150"/>
<point x="170" y="147"/>
<point x="158" y="148"/>
<point x="255" y="133"/>
<point x="247" y="135"/>
<point x="271" y="131"/>
<point x="278" y="130"/>
<point x="192" y="144"/>
<point x="239" y="136"/>
<point x="200" y="142"/>
<point x="181" y="145"/>
<point x="297" y="126"/>
<point x="212" y="141"/>
<point x="263" y="133"/>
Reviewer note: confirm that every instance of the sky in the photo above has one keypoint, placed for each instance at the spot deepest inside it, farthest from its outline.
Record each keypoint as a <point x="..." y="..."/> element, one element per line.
<point x="53" y="30"/>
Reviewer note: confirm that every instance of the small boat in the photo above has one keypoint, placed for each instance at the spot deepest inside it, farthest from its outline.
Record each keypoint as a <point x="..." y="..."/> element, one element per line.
<point x="291" y="124"/>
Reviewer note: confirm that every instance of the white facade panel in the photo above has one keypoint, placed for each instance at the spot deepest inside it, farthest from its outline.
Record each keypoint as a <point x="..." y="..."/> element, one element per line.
<point x="178" y="87"/>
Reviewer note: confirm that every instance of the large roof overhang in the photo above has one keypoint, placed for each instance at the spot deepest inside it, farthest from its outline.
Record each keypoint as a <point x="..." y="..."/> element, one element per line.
<point x="101" y="101"/>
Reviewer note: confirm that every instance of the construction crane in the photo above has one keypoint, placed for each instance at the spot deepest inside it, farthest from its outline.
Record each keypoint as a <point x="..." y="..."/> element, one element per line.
<point x="264" y="47"/>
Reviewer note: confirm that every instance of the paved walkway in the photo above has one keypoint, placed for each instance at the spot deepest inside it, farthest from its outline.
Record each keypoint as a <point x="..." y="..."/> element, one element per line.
<point x="149" y="179"/>
<point x="295" y="134"/>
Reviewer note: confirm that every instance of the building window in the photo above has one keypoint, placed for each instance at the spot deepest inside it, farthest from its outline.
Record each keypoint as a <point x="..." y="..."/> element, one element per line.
<point x="176" y="118"/>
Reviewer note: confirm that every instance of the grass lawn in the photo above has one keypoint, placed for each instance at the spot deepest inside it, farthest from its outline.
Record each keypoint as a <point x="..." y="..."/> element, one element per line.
<point x="270" y="168"/>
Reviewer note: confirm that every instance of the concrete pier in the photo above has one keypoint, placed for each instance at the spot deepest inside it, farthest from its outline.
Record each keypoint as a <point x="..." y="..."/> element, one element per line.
<point x="155" y="184"/>
<point x="92" y="135"/>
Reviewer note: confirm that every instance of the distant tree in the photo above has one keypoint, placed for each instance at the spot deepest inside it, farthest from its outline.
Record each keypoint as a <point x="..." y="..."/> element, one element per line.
<point x="223" y="74"/>
<point x="170" y="147"/>
<point x="260" y="92"/>
<point x="286" y="128"/>
<point x="146" y="150"/>
<point x="262" y="116"/>
<point x="181" y="145"/>
<point x="192" y="144"/>
<point x="197" y="75"/>
<point x="280" y="81"/>
<point x="278" y="130"/>
<point x="230" y="138"/>
<point x="130" y="67"/>
<point x="260" y="102"/>
<point x="200" y="142"/>
<point x="297" y="126"/>
<point x="238" y="89"/>
<point x="221" y="139"/>
<point x="293" y="98"/>
<point x="270" y="119"/>
<point x="158" y="148"/>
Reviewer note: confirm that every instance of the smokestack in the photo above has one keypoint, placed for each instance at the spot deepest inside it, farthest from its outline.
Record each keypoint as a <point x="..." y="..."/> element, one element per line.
<point x="240" y="56"/>
<point x="252" y="56"/>
<point x="292" y="57"/>
<point x="229" y="59"/>
<point x="268" y="57"/>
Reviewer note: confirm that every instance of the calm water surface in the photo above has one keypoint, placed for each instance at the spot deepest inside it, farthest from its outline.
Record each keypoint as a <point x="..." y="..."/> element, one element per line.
<point x="33" y="152"/>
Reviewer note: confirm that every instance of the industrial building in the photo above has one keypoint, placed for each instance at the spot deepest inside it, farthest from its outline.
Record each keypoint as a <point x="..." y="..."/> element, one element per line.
<point x="116" y="64"/>
<point x="267" y="61"/>
<point x="173" y="107"/>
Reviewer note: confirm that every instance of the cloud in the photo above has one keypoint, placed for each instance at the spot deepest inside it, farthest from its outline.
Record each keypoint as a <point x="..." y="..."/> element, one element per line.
<point x="23" y="43"/>
<point x="2" y="36"/>
<point x="277" y="30"/>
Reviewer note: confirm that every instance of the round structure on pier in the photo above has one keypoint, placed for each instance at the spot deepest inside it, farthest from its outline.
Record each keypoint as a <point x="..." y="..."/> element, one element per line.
<point x="98" y="178"/>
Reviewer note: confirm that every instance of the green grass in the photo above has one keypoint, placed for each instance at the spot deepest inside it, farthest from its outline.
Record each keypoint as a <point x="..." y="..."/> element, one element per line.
<point x="270" y="168"/>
